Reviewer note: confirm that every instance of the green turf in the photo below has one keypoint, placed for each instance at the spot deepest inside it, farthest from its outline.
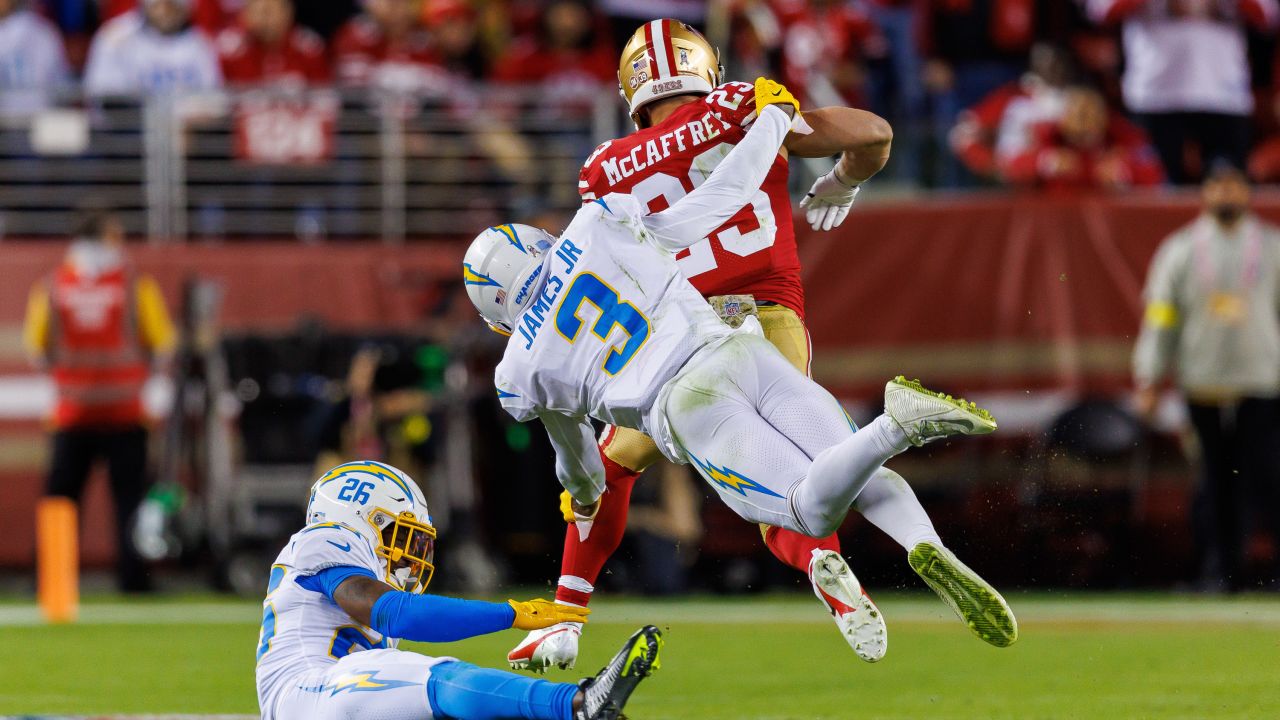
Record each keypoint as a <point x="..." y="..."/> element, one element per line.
<point x="1145" y="658"/>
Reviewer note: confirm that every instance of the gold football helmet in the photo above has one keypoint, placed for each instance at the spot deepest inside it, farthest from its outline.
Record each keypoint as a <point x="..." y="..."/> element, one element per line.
<point x="664" y="58"/>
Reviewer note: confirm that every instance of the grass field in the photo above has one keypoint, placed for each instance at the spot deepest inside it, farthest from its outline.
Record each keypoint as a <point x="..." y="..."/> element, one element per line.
<point x="1078" y="657"/>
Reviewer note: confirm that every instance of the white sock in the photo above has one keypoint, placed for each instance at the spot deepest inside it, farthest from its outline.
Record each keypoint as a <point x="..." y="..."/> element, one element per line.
<point x="891" y="505"/>
<point x="839" y="473"/>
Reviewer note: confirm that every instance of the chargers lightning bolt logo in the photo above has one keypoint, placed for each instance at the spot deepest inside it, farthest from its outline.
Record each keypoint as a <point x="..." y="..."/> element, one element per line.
<point x="509" y="233"/>
<point x="363" y="682"/>
<point x="730" y="479"/>
<point x="471" y="277"/>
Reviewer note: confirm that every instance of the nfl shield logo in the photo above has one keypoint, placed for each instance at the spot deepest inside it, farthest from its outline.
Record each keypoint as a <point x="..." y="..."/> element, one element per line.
<point x="732" y="308"/>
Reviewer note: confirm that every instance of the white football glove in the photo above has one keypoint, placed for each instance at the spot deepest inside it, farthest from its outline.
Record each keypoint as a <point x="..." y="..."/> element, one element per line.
<point x="828" y="201"/>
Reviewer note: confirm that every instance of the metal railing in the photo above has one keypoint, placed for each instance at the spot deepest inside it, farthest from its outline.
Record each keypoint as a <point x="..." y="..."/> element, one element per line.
<point x="321" y="164"/>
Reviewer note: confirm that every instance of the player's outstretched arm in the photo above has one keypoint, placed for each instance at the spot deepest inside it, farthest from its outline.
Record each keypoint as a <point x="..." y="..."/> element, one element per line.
<point x="430" y="618"/>
<point x="862" y="138"/>
<point x="733" y="182"/>
<point x="578" y="464"/>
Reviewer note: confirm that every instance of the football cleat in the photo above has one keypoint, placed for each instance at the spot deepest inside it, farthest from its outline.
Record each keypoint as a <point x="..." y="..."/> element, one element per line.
<point x="858" y="618"/>
<point x="977" y="603"/>
<point x="606" y="694"/>
<point x="556" y="645"/>
<point x="926" y="416"/>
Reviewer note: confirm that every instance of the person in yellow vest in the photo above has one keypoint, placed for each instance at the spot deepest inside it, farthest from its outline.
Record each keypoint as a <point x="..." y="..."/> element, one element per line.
<point x="1212" y="325"/>
<point x="97" y="326"/>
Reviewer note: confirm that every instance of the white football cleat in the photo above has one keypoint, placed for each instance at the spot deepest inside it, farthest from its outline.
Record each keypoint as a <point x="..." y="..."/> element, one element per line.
<point x="556" y="645"/>
<point x="926" y="416"/>
<point x="860" y="621"/>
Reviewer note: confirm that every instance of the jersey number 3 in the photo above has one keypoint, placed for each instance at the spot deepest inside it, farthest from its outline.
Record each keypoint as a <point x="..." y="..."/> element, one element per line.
<point x="614" y="312"/>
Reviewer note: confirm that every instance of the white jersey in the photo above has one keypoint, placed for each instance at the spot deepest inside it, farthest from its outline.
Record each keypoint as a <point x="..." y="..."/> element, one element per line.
<point x="32" y="63"/>
<point x="302" y="630"/>
<point x="612" y="320"/>
<point x="615" y="321"/>
<point x="128" y="57"/>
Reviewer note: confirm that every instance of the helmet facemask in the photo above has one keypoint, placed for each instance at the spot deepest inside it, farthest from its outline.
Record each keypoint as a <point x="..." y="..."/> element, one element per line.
<point x="408" y="546"/>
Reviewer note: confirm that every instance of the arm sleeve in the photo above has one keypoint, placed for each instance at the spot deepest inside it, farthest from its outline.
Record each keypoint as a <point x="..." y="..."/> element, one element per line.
<point x="35" y="328"/>
<point x="1153" y="353"/>
<point x="512" y="399"/>
<point x="157" y="330"/>
<point x="578" y="464"/>
<point x="699" y="213"/>
<point x="429" y="618"/>
<point x="322" y="547"/>
<point x="103" y="75"/>
<point x="208" y="68"/>
<point x="326" y="581"/>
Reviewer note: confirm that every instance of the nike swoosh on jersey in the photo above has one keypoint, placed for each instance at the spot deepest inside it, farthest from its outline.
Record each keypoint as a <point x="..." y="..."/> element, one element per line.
<point x="343" y="548"/>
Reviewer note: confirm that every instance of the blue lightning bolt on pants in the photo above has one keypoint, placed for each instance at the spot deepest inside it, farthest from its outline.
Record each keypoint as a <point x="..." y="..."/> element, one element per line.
<point x="397" y="685"/>
<point x="779" y="449"/>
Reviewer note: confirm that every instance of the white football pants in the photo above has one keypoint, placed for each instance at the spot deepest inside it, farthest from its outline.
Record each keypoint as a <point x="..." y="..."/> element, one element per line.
<point x="780" y="450"/>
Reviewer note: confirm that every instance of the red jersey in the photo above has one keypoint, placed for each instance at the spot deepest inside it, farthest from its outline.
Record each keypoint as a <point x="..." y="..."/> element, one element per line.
<point x="1123" y="153"/>
<point x="755" y="251"/>
<point x="99" y="366"/>
<point x="299" y="59"/>
<point x="366" y="56"/>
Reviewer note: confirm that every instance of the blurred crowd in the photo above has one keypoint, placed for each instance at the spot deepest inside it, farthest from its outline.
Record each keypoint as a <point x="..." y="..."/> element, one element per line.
<point x="1058" y="94"/>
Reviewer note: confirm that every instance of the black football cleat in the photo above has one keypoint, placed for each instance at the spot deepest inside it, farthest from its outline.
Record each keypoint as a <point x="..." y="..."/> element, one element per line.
<point x="606" y="694"/>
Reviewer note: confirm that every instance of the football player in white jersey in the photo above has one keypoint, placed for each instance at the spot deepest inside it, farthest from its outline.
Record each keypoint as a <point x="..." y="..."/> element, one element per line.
<point x="350" y="585"/>
<point x="603" y="325"/>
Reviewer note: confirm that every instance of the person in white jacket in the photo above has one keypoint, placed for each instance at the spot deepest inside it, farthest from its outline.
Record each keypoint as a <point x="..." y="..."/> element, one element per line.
<point x="1186" y="75"/>
<point x="33" y="64"/>
<point x="603" y="325"/>
<point x="151" y="50"/>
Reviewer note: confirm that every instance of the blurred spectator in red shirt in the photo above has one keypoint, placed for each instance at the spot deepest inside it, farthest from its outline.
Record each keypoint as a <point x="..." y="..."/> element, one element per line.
<point x="455" y="38"/>
<point x="265" y="46"/>
<point x="387" y="47"/>
<point x="1088" y="147"/>
<point x="572" y="56"/>
<point x="823" y="43"/>
<point x="1001" y="126"/>
<point x="973" y="47"/>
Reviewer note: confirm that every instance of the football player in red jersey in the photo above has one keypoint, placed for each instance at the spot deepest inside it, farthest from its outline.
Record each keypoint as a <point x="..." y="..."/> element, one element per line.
<point x="687" y="122"/>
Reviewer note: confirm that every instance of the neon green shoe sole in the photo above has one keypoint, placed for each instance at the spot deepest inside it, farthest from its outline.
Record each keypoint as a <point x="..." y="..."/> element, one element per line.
<point x="972" y="598"/>
<point x="925" y="415"/>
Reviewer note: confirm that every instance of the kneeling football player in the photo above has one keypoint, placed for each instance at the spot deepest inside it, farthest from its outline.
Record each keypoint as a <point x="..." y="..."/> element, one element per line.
<point x="350" y="585"/>
<point x="603" y="325"/>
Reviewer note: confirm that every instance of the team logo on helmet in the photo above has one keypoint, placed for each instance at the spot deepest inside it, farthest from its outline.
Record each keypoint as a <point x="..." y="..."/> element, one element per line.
<point x="666" y="57"/>
<point x="471" y="277"/>
<point x="509" y="233"/>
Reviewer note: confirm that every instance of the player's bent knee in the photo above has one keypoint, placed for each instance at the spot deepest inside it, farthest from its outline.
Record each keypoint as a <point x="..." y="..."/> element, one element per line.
<point x="631" y="449"/>
<point x="814" y="518"/>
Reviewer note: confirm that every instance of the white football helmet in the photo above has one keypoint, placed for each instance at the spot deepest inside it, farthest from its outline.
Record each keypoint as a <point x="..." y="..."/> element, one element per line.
<point x="386" y="507"/>
<point x="501" y="271"/>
